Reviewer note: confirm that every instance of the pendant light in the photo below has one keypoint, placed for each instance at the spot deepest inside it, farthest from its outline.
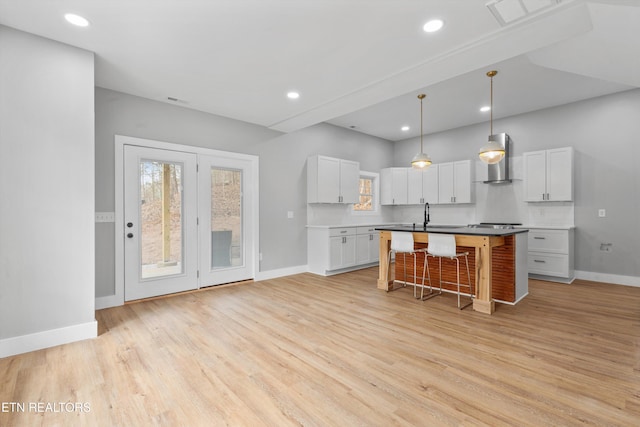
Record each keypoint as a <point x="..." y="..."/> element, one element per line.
<point x="421" y="160"/>
<point x="493" y="151"/>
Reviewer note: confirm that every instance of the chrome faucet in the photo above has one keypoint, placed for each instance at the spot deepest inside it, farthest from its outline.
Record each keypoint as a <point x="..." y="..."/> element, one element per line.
<point x="426" y="215"/>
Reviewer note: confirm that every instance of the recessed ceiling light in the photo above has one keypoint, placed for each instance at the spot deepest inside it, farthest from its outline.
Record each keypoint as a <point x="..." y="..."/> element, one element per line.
<point x="76" y="20"/>
<point x="433" y="25"/>
<point x="405" y="128"/>
<point x="293" y="95"/>
<point x="485" y="108"/>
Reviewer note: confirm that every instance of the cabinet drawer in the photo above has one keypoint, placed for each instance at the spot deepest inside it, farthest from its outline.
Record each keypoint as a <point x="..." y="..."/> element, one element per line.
<point x="366" y="230"/>
<point x="548" y="264"/>
<point x="344" y="231"/>
<point x="556" y="241"/>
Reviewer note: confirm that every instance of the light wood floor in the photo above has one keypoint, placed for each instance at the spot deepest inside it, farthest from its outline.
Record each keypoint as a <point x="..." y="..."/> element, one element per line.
<point x="314" y="351"/>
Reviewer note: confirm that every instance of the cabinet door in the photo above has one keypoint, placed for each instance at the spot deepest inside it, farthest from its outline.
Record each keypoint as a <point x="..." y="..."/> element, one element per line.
<point x="362" y="248"/>
<point x="328" y="180"/>
<point x="535" y="167"/>
<point x="393" y="186"/>
<point x="462" y="182"/>
<point x="559" y="174"/>
<point x="415" y="189"/>
<point x="430" y="184"/>
<point x="399" y="186"/>
<point x="374" y="247"/>
<point x="445" y="183"/>
<point x="342" y="252"/>
<point x="386" y="198"/>
<point x="349" y="251"/>
<point x="349" y="181"/>
<point x="335" y="252"/>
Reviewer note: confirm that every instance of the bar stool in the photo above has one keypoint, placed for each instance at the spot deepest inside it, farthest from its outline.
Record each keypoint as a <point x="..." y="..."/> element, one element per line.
<point x="402" y="243"/>
<point x="444" y="246"/>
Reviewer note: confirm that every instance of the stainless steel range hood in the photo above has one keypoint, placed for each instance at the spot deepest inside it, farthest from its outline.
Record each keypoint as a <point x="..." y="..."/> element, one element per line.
<point x="499" y="173"/>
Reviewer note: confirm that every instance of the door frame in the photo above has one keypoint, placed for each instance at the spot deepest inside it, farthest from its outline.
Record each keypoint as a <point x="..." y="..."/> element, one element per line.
<point x="253" y="242"/>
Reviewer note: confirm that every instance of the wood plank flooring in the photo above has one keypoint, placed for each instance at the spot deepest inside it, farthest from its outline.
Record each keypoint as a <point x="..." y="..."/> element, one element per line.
<point x="336" y="351"/>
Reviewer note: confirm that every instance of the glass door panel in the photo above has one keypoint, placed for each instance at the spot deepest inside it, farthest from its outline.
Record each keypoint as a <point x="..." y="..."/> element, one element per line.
<point x="226" y="218"/>
<point x="160" y="218"/>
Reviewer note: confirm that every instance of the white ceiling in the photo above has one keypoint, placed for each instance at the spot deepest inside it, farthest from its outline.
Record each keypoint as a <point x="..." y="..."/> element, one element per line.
<point x="355" y="62"/>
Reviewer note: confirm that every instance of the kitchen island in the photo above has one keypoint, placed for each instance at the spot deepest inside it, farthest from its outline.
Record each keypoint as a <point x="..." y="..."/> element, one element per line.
<point x="498" y="257"/>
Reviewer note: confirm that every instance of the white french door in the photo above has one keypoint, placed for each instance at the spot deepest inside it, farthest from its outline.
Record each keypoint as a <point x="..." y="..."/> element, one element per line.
<point x="189" y="219"/>
<point x="160" y="215"/>
<point x="224" y="211"/>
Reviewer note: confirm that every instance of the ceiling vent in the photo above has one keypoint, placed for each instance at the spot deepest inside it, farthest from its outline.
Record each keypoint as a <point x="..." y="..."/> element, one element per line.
<point x="508" y="11"/>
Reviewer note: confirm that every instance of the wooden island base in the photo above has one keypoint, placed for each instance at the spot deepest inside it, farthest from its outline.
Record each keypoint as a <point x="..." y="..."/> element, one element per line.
<point x="492" y="264"/>
<point x="503" y="275"/>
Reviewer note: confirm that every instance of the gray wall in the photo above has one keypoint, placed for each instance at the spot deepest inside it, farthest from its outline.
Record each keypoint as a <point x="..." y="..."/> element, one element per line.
<point x="604" y="132"/>
<point x="282" y="168"/>
<point x="47" y="185"/>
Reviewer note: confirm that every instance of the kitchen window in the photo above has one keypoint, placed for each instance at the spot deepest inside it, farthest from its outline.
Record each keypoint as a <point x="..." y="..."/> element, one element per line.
<point x="368" y="190"/>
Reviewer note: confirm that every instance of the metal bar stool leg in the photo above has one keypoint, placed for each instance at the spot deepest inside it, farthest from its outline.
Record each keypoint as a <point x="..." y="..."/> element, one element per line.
<point x="431" y="293"/>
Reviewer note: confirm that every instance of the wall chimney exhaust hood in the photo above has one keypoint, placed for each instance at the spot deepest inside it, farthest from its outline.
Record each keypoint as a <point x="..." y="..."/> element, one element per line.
<point x="498" y="173"/>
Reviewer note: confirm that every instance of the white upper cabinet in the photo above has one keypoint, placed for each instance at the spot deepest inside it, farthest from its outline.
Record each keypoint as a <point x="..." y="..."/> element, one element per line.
<point x="454" y="182"/>
<point x="393" y="186"/>
<point x="422" y="185"/>
<point x="332" y="180"/>
<point x="548" y="175"/>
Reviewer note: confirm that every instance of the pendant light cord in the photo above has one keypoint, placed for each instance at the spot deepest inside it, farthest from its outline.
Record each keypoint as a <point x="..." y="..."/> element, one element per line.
<point x="421" y="132"/>
<point x="490" y="74"/>
<point x="491" y="120"/>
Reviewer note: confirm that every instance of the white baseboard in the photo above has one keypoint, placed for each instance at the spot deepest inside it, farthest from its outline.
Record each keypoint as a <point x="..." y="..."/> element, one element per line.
<point x="616" y="279"/>
<point x="108" y="301"/>
<point x="280" y="272"/>
<point x="51" y="338"/>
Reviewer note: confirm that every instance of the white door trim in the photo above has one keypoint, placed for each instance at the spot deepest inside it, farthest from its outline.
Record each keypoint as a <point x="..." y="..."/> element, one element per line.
<point x="120" y="142"/>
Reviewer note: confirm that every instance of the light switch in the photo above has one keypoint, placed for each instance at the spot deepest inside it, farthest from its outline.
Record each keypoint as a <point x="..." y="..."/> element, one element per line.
<point x="289" y="214"/>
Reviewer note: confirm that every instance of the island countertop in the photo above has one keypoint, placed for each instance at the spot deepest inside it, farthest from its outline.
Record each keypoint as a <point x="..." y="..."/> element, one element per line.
<point x="459" y="230"/>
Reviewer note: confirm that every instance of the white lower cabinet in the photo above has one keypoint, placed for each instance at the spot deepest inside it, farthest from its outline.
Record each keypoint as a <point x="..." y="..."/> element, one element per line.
<point x="367" y="245"/>
<point x="551" y="254"/>
<point x="332" y="250"/>
<point x="342" y="248"/>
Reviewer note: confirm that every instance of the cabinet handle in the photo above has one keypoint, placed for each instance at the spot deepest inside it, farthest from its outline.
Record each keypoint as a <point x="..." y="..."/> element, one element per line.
<point x="370" y="236"/>
<point x="540" y="238"/>
<point x="539" y="260"/>
<point x="344" y="240"/>
<point x="343" y="231"/>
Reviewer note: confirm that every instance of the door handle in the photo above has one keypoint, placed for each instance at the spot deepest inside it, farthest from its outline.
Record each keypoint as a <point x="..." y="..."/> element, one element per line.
<point x="130" y="235"/>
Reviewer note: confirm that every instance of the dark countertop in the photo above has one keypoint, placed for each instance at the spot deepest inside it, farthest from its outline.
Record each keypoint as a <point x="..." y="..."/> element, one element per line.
<point x="466" y="231"/>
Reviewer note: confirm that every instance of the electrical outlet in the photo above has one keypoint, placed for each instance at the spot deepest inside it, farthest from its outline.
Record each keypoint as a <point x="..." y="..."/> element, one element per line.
<point x="602" y="213"/>
<point x="606" y="247"/>
<point x="289" y="214"/>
